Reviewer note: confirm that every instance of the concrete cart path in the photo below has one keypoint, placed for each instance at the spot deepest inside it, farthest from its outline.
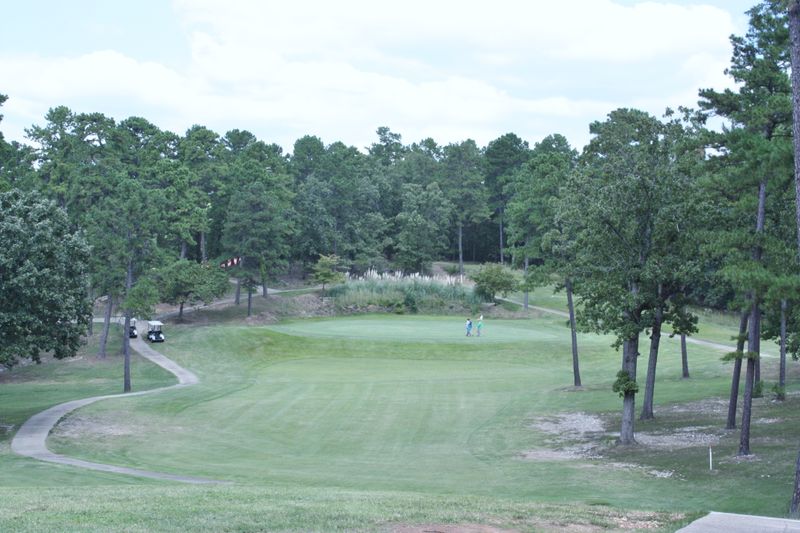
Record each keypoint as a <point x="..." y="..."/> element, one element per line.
<point x="739" y="523"/>
<point x="31" y="439"/>
<point x="691" y="340"/>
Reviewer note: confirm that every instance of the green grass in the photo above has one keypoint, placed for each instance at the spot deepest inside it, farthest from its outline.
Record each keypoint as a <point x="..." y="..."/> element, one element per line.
<point x="358" y="422"/>
<point x="713" y="325"/>
<point x="279" y="508"/>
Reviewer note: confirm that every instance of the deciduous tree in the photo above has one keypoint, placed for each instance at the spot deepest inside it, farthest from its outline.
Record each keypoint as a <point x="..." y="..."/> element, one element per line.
<point x="43" y="280"/>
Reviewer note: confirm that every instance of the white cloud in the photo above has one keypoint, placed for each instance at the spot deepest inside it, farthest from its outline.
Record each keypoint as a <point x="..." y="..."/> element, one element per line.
<point x="445" y="69"/>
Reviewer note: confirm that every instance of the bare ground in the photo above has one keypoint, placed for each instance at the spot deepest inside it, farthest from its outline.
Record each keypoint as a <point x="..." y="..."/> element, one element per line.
<point x="570" y="436"/>
<point x="597" y="519"/>
<point x="448" y="528"/>
<point x="81" y="426"/>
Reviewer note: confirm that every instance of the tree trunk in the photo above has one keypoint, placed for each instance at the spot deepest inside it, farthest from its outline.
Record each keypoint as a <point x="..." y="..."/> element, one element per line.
<point x="737" y="372"/>
<point x="180" y="313"/>
<point x="237" y="298"/>
<point x="126" y="351"/>
<point x="502" y="253"/>
<point x="576" y="372"/>
<point x="90" y="330"/>
<point x="747" y="405"/>
<point x="650" y="383"/>
<point x="793" y="507"/>
<point x="757" y="390"/>
<point x="184" y="249"/>
<point x="630" y="349"/>
<point x="757" y="254"/>
<point x="526" y="297"/>
<point x="782" y="370"/>
<point x="249" y="300"/>
<point x="263" y="284"/>
<point x="126" y="341"/>
<point x="461" y="250"/>
<point x="203" y="255"/>
<point x="101" y="352"/>
<point x="749" y="379"/>
<point x="684" y="357"/>
<point x="794" y="34"/>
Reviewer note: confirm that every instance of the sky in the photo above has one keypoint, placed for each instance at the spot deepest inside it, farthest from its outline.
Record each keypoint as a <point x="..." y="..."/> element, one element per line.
<point x="447" y="69"/>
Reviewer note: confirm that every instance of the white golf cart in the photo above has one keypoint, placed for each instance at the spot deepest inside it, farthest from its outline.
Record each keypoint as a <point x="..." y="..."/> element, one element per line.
<point x="132" y="331"/>
<point x="154" y="333"/>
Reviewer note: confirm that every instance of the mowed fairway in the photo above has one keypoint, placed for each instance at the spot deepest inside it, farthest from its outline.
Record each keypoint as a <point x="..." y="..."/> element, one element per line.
<point x="391" y="403"/>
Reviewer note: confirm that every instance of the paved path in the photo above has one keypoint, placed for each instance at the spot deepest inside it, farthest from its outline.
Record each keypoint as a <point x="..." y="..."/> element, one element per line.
<point x="739" y="523"/>
<point x="691" y="340"/>
<point x="31" y="439"/>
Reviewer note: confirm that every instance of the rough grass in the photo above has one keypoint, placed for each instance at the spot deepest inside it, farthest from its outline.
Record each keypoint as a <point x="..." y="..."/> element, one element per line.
<point x="279" y="508"/>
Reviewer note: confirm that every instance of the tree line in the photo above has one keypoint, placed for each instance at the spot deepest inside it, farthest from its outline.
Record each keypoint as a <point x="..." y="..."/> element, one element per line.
<point x="655" y="216"/>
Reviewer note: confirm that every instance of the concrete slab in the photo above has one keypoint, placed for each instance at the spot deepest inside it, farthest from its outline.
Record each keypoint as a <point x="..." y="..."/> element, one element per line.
<point x="740" y="523"/>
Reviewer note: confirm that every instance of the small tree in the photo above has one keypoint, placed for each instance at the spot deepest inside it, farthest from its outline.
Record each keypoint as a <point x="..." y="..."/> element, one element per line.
<point x="493" y="279"/>
<point x="189" y="282"/>
<point x="325" y="271"/>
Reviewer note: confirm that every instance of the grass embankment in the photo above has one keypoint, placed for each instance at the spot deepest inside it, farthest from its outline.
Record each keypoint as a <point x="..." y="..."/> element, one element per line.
<point x="359" y="422"/>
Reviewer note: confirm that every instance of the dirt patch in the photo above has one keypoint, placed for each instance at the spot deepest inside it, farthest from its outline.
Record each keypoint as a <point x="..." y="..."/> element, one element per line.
<point x="687" y="437"/>
<point x="97" y="426"/>
<point x="714" y="406"/>
<point x="596" y="519"/>
<point x="569" y="436"/>
<point x="543" y="454"/>
<point x="636" y="522"/>
<point x="261" y="318"/>
<point x="573" y="436"/>
<point x="570" y="425"/>
<point x="448" y="528"/>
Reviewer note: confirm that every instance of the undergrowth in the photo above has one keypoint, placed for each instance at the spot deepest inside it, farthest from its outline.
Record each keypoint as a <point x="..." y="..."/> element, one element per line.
<point x="405" y="294"/>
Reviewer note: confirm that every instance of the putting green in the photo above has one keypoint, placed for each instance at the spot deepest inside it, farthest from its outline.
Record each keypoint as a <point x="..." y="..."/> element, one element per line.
<point x="431" y="329"/>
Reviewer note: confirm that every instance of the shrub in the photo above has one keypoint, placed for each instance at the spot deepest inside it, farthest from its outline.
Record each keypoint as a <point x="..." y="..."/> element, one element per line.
<point x="493" y="279"/>
<point x="403" y="293"/>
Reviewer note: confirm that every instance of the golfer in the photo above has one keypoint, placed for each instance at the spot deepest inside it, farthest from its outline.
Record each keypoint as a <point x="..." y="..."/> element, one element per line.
<point x="469" y="327"/>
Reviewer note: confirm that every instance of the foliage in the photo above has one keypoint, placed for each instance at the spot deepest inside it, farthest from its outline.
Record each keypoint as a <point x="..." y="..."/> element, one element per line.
<point x="258" y="226"/>
<point x="532" y="191"/>
<point x="188" y="282"/>
<point x="325" y="271"/>
<point x="43" y="280"/>
<point x="624" y="384"/>
<point x="142" y="298"/>
<point x="462" y="181"/>
<point x="400" y="293"/>
<point x="422" y="224"/>
<point x="491" y="280"/>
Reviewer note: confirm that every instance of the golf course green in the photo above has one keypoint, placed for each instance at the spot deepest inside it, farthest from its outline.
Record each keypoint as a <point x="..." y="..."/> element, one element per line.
<point x="357" y="408"/>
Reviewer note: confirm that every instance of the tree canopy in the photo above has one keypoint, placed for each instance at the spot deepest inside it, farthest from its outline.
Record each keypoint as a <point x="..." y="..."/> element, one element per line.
<point x="43" y="280"/>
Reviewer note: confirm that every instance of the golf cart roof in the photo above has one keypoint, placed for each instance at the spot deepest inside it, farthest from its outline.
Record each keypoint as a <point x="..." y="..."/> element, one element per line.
<point x="154" y="323"/>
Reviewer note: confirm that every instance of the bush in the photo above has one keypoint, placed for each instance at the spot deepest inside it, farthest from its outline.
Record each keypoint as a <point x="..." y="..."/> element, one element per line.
<point x="399" y="293"/>
<point x="493" y="279"/>
<point x="452" y="270"/>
